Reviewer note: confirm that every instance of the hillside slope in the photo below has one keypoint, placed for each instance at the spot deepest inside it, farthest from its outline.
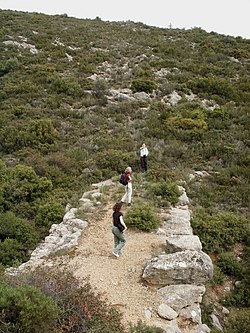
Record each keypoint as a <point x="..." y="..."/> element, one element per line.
<point x="79" y="97"/>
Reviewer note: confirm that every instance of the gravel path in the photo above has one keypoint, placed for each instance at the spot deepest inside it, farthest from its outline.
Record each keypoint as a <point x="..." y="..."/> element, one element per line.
<point x="119" y="279"/>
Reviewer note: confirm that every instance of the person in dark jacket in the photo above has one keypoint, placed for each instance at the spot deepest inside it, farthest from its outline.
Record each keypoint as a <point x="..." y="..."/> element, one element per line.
<point x="118" y="229"/>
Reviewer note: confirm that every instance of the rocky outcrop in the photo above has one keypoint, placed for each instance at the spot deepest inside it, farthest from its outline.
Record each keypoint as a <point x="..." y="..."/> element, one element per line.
<point x="180" y="273"/>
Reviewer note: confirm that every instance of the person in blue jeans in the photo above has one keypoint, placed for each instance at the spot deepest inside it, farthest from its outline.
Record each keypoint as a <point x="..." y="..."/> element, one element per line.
<point x="118" y="229"/>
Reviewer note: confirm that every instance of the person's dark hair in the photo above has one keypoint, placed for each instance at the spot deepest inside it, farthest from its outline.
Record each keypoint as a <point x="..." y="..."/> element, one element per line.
<point x="117" y="207"/>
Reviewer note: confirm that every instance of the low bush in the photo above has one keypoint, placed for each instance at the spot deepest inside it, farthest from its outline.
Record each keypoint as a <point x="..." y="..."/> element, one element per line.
<point x="80" y="308"/>
<point x="112" y="160"/>
<point x="26" y="309"/>
<point x="218" y="232"/>
<point x="143" y="85"/>
<point x="12" y="252"/>
<point x="48" y="214"/>
<point x="17" y="237"/>
<point x="142" y="217"/>
<point x="140" y="327"/>
<point x="239" y="322"/>
<point x="165" y="193"/>
<point x="218" y="277"/>
<point x="240" y="295"/>
<point x="230" y="265"/>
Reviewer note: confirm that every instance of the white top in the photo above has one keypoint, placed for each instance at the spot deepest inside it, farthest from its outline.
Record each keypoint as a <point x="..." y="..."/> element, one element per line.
<point x="144" y="151"/>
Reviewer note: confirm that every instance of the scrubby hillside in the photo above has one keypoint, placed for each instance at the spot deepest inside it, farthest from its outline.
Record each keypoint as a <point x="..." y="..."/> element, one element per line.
<point x="78" y="97"/>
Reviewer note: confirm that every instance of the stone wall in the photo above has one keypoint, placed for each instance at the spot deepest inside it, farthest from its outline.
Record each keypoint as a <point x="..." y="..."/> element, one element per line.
<point x="181" y="273"/>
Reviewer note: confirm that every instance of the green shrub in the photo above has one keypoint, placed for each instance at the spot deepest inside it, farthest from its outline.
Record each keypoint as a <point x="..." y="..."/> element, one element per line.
<point x="100" y="88"/>
<point x="143" y="85"/>
<point x="80" y="308"/>
<point x="218" y="232"/>
<point x="26" y="309"/>
<point x="240" y="295"/>
<point x="142" y="217"/>
<point x="214" y="86"/>
<point x="12" y="252"/>
<point x="238" y="322"/>
<point x="39" y="134"/>
<point x="23" y="184"/>
<point x="112" y="160"/>
<point x="218" y="277"/>
<point x="141" y="327"/>
<point x="48" y="214"/>
<point x="165" y="193"/>
<point x="14" y="227"/>
<point x="230" y="265"/>
<point x="17" y="237"/>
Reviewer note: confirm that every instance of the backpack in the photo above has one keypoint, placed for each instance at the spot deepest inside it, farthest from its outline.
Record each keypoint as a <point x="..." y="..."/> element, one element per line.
<point x="123" y="179"/>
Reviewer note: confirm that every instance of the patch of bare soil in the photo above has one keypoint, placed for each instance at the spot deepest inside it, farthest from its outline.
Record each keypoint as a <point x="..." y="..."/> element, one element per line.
<point x="119" y="279"/>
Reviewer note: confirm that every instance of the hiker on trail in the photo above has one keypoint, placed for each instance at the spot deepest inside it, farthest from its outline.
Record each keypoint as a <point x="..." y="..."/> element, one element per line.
<point x="118" y="228"/>
<point x="144" y="157"/>
<point x="128" y="188"/>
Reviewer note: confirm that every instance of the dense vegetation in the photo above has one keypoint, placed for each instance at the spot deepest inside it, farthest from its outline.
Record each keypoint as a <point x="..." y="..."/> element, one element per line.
<point x="61" y="129"/>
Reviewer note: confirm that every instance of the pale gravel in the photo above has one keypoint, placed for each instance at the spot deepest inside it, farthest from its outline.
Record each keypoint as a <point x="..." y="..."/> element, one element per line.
<point x="119" y="279"/>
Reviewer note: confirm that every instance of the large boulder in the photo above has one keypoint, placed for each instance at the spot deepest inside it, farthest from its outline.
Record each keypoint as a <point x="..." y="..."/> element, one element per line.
<point x="185" y="267"/>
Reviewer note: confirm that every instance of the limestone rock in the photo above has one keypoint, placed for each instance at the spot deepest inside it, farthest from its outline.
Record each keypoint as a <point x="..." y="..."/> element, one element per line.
<point x="71" y="214"/>
<point x="178" y="222"/>
<point x="185" y="267"/>
<point x="172" y="327"/>
<point x="192" y="312"/>
<point x="180" y="243"/>
<point x="183" y="199"/>
<point x="108" y="182"/>
<point x="203" y="328"/>
<point x="216" y="322"/>
<point x="167" y="312"/>
<point x="181" y="296"/>
<point x="141" y="96"/>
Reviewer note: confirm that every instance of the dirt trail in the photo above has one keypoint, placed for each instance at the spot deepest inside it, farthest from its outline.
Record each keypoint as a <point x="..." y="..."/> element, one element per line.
<point x="118" y="279"/>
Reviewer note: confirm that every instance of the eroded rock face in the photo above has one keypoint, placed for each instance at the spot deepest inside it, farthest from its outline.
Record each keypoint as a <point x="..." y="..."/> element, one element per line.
<point x="185" y="267"/>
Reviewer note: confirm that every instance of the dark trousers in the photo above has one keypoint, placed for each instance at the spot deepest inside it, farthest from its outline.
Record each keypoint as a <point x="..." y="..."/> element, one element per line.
<point x="144" y="163"/>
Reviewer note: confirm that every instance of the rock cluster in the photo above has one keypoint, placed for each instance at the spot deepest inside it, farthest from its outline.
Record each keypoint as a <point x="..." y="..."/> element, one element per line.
<point x="180" y="273"/>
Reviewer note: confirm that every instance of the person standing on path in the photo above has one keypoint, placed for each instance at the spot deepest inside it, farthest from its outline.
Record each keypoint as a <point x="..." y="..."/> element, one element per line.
<point x="128" y="188"/>
<point x="144" y="157"/>
<point x="118" y="228"/>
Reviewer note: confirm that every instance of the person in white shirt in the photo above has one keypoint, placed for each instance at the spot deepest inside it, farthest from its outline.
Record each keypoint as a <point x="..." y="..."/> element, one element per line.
<point x="144" y="157"/>
<point x="128" y="187"/>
